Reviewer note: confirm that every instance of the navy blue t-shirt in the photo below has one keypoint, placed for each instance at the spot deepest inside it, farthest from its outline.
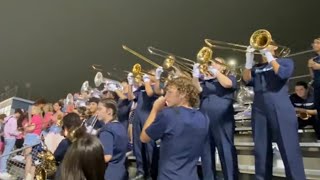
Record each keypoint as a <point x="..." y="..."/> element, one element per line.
<point x="124" y="107"/>
<point x="212" y="86"/>
<point x="183" y="133"/>
<point x="61" y="150"/>
<point x="114" y="139"/>
<point x="265" y="80"/>
<point x="298" y="102"/>
<point x="144" y="102"/>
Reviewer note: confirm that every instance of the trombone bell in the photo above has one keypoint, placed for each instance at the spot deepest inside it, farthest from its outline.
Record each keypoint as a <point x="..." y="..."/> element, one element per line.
<point x="168" y="62"/>
<point x="136" y="69"/>
<point x="138" y="73"/>
<point x="204" y="56"/>
<point x="260" y="39"/>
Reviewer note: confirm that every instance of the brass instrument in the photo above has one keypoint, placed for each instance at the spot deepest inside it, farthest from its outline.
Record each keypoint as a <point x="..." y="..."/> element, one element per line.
<point x="303" y="115"/>
<point x="260" y="39"/>
<point x="137" y="70"/>
<point x="93" y="92"/>
<point x="59" y="120"/>
<point x="173" y="65"/>
<point x="140" y="56"/>
<point x="69" y="100"/>
<point x="47" y="168"/>
<point x="204" y="58"/>
<point x="172" y="60"/>
<point x="85" y="87"/>
<point x="99" y="79"/>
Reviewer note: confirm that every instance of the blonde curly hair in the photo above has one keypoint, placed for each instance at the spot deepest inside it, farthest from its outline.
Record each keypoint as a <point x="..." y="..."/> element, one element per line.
<point x="185" y="86"/>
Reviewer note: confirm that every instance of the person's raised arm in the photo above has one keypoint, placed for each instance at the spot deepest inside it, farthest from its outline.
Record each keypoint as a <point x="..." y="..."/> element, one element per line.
<point x="147" y="85"/>
<point x="246" y="76"/>
<point x="195" y="76"/>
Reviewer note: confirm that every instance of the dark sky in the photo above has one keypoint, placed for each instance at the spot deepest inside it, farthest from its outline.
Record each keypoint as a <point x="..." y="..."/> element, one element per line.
<point x="52" y="44"/>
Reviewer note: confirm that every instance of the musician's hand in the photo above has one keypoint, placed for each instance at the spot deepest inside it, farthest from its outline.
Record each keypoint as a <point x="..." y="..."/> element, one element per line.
<point x="311" y="63"/>
<point x="130" y="79"/>
<point x="267" y="54"/>
<point x="146" y="78"/>
<point x="213" y="71"/>
<point x="159" y="104"/>
<point x="249" y="57"/>
<point x="300" y="110"/>
<point x="196" y="70"/>
<point x="111" y="87"/>
<point x="159" y="71"/>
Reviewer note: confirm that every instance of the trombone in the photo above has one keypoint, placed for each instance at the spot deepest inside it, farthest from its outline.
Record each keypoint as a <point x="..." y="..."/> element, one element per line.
<point x="259" y="39"/>
<point x="171" y="59"/>
<point x="137" y="70"/>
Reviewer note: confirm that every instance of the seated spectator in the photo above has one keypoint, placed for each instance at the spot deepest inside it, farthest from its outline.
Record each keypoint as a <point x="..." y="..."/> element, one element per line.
<point x="303" y="102"/>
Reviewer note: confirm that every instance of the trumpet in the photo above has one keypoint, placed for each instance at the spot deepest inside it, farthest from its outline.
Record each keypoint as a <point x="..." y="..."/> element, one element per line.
<point x="99" y="79"/>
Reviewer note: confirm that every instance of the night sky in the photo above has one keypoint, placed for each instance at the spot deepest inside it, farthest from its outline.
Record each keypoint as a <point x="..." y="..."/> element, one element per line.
<point x="52" y="44"/>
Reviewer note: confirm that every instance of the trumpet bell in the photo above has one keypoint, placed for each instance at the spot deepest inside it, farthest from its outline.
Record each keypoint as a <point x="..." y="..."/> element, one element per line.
<point x="260" y="39"/>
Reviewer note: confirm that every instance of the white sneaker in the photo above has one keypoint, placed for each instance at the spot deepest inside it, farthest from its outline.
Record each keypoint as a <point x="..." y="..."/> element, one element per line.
<point x="5" y="176"/>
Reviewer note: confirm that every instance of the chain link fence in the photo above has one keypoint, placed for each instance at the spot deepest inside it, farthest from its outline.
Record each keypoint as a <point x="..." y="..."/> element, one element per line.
<point x="16" y="163"/>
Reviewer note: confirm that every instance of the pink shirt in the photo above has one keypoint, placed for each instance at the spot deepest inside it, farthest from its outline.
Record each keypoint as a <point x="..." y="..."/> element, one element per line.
<point x="37" y="121"/>
<point x="47" y="119"/>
